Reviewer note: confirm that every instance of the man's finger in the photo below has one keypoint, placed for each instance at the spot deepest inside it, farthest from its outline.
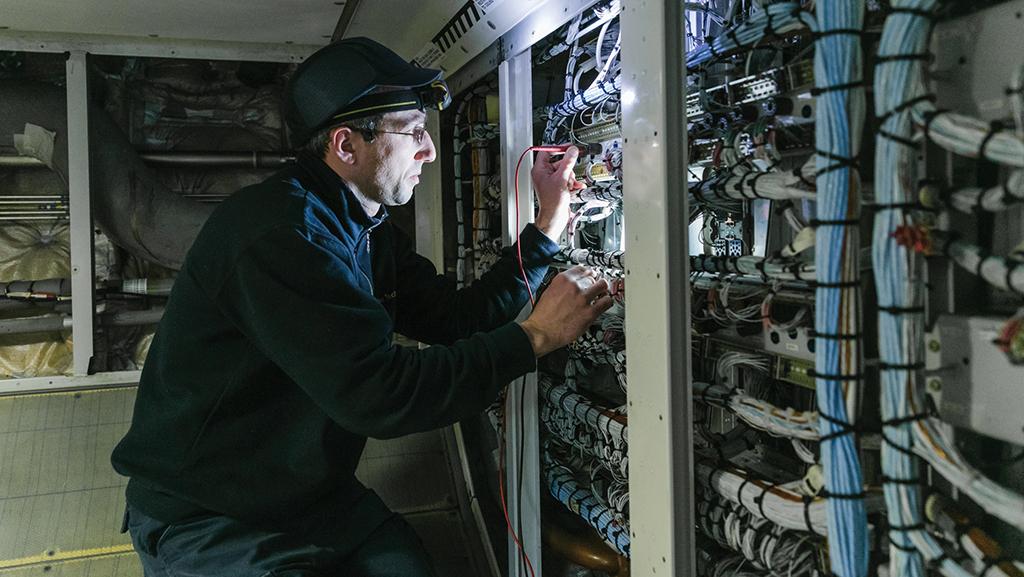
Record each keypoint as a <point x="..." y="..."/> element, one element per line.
<point x="602" y="303"/>
<point x="599" y="287"/>
<point x="569" y="161"/>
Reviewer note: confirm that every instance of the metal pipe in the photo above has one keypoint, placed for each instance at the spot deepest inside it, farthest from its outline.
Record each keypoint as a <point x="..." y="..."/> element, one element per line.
<point x="584" y="548"/>
<point x="62" y="322"/>
<point x="35" y="325"/>
<point x="20" y="162"/>
<point x="133" y="318"/>
<point x="244" y="159"/>
<point x="142" y="286"/>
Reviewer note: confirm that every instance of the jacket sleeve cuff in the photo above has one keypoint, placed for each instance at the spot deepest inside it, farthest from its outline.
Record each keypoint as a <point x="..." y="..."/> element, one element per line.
<point x="537" y="248"/>
<point x="517" y="355"/>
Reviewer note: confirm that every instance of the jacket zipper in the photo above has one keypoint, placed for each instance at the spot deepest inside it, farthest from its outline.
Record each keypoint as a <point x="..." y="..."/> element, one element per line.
<point x="370" y="257"/>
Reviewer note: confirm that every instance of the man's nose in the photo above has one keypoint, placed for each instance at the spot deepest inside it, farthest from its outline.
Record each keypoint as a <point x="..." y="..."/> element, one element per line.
<point x="427" y="151"/>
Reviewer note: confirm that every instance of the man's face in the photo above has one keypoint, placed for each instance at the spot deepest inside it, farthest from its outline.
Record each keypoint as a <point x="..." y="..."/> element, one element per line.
<point x="397" y="159"/>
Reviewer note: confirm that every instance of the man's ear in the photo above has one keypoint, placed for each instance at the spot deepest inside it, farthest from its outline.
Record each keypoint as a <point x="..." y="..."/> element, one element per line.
<point x="342" y="144"/>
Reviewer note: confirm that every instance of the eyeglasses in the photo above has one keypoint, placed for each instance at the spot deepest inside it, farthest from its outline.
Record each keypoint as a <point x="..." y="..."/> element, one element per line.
<point x="417" y="133"/>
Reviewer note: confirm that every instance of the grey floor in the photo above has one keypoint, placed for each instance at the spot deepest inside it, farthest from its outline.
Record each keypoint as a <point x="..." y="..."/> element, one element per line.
<point x="61" y="503"/>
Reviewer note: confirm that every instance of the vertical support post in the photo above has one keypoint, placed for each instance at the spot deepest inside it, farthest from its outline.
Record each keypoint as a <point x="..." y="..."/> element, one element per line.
<point x="522" y="441"/>
<point x="82" y="275"/>
<point x="657" y="295"/>
<point x="429" y="214"/>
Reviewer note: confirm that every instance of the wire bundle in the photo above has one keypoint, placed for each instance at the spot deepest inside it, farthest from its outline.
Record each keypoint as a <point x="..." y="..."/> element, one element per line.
<point x="564" y="487"/>
<point x="767" y="546"/>
<point x="898" y="87"/>
<point x="838" y="365"/>
<point x="762" y="415"/>
<point x="776" y="19"/>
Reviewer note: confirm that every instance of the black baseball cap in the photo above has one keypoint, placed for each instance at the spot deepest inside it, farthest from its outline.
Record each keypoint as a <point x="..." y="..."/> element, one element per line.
<point x="340" y="82"/>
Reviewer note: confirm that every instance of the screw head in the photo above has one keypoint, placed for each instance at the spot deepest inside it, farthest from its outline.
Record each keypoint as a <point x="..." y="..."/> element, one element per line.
<point x="934" y="385"/>
<point x="934" y="346"/>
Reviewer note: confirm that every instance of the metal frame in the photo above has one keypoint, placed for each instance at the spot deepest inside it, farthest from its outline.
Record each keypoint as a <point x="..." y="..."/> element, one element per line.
<point x="110" y="45"/>
<point x="83" y="288"/>
<point x="657" y="300"/>
<point x="515" y="94"/>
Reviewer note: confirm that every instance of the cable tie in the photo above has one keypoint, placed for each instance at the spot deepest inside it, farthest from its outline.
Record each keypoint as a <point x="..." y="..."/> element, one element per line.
<point x="753" y="186"/>
<point x="838" y="32"/>
<point x="842" y="162"/>
<point x="759" y="499"/>
<point x="886" y="480"/>
<point x="739" y="492"/>
<point x="834" y="336"/>
<point x="731" y="33"/>
<point x="925" y="57"/>
<point x="994" y="127"/>
<point x="904" y="548"/>
<point x="815" y="223"/>
<point x="818" y="91"/>
<point x="901" y="367"/>
<point x="905" y="419"/>
<point x="907" y="528"/>
<point x="1008" y="198"/>
<point x="843" y="496"/>
<point x="919" y="12"/>
<point x="807" y="500"/>
<point x="900" y="311"/>
<point x="838" y="285"/>
<point x="930" y="117"/>
<point x="710" y="43"/>
<point x="759" y="265"/>
<point x="905" y="105"/>
<point x="769" y="28"/>
<point x="909" y="143"/>
<point x="800" y="175"/>
<point x="896" y="446"/>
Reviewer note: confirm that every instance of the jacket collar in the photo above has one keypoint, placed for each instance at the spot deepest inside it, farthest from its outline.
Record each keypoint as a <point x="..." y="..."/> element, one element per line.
<point x="336" y="194"/>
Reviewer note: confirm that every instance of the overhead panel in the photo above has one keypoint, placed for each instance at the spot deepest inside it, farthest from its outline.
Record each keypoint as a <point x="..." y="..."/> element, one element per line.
<point x="260" y="21"/>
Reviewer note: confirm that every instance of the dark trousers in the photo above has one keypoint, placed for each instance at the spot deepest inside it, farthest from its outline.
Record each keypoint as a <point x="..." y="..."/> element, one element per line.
<point x="218" y="546"/>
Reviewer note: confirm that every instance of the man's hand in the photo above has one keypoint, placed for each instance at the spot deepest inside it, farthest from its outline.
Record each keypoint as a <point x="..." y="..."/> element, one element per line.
<point x="570" y="304"/>
<point x="553" y="183"/>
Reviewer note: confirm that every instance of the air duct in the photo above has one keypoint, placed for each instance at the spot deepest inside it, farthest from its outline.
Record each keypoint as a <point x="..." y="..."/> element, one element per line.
<point x="128" y="202"/>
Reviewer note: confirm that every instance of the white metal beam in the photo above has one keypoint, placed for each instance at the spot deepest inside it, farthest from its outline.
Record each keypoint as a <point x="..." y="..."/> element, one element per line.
<point x="63" y="383"/>
<point x="105" y="44"/>
<point x="522" y="441"/>
<point x="657" y="334"/>
<point x="81" y="237"/>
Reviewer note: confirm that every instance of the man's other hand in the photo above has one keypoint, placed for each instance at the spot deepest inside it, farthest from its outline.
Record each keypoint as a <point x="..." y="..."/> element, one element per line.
<point x="570" y="304"/>
<point x="553" y="183"/>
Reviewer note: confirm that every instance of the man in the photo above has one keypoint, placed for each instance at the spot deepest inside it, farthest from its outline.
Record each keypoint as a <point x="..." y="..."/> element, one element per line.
<point x="274" y="360"/>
